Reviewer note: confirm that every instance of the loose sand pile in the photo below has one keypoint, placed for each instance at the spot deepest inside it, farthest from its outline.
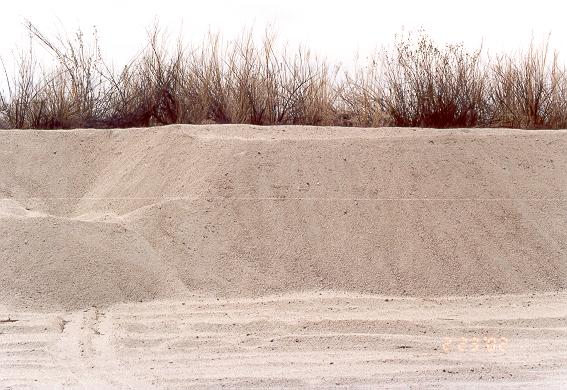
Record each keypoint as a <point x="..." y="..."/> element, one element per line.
<point x="93" y="217"/>
<point x="52" y="261"/>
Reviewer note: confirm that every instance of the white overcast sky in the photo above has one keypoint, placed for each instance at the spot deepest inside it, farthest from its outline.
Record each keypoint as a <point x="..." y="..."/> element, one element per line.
<point x="334" y="29"/>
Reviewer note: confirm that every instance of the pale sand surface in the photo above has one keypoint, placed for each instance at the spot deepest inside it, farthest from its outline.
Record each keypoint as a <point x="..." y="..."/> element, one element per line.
<point x="254" y="256"/>
<point x="317" y="340"/>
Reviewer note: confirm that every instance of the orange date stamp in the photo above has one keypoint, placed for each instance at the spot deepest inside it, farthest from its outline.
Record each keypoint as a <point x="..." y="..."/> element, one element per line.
<point x="475" y="344"/>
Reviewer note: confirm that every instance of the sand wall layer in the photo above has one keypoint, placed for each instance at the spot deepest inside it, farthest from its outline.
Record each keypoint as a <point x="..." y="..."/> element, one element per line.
<point x="93" y="217"/>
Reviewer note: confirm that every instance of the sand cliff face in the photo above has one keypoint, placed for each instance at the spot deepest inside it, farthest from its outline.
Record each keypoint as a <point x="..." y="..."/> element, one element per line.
<point x="94" y="217"/>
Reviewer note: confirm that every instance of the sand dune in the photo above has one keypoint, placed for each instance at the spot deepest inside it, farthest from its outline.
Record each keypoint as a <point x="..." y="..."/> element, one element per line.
<point x="54" y="262"/>
<point x="249" y="211"/>
<point x="92" y="219"/>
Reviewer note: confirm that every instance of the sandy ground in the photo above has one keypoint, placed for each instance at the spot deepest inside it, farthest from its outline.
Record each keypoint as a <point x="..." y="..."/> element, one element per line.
<point x="244" y="256"/>
<point x="316" y="340"/>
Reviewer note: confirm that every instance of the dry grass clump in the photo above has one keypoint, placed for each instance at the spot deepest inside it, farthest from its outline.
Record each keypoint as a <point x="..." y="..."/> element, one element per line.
<point x="529" y="90"/>
<point x="147" y="91"/>
<point x="69" y="95"/>
<point x="416" y="83"/>
<point x="241" y="82"/>
<point x="362" y="97"/>
<point x="236" y="82"/>
<point x="424" y="86"/>
<point x="16" y="109"/>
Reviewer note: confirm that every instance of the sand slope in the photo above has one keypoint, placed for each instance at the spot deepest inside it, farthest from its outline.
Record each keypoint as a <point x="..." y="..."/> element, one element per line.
<point x="60" y="262"/>
<point x="235" y="256"/>
<point x="125" y="215"/>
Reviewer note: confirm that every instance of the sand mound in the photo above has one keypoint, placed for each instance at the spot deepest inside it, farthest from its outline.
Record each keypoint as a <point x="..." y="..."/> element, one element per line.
<point x="236" y="210"/>
<point x="60" y="263"/>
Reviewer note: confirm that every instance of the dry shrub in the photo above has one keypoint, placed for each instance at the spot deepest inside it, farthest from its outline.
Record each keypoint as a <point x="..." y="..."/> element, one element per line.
<point x="146" y="91"/>
<point x="18" y="108"/>
<point x="530" y="90"/>
<point x="241" y="82"/>
<point x="414" y="84"/>
<point x="237" y="82"/>
<point x="361" y="97"/>
<point x="71" y="94"/>
<point x="202" y="85"/>
<point x="424" y="86"/>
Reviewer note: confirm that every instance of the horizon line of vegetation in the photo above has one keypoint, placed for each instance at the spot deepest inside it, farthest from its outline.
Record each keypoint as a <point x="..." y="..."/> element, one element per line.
<point x="413" y="83"/>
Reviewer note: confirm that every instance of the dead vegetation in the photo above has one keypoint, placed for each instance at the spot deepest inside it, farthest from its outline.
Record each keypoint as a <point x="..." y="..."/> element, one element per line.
<point x="529" y="90"/>
<point x="416" y="83"/>
<point x="425" y="86"/>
